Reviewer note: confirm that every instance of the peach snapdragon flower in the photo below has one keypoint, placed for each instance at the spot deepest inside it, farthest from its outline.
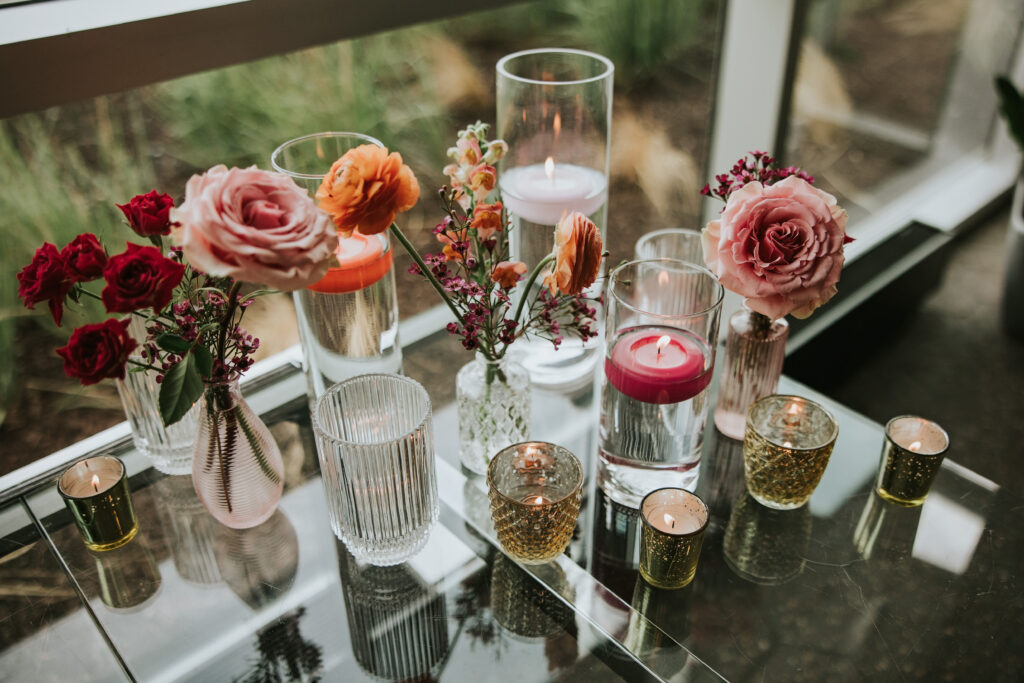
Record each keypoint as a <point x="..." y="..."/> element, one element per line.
<point x="578" y="250"/>
<point x="508" y="273"/>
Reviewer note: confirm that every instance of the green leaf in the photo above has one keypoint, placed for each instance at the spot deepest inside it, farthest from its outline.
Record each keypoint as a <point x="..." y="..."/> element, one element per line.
<point x="168" y="341"/>
<point x="1012" y="105"/>
<point x="204" y="360"/>
<point x="182" y="386"/>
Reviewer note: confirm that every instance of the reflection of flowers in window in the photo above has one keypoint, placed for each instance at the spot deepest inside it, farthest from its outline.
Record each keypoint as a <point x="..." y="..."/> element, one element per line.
<point x="284" y="654"/>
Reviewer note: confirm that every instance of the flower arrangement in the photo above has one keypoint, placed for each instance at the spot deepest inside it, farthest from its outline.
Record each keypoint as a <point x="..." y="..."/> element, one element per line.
<point x="779" y="241"/>
<point x="234" y="226"/>
<point x="473" y="273"/>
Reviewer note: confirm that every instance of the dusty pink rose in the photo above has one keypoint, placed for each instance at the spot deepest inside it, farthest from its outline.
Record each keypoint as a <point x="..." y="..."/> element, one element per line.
<point x="780" y="246"/>
<point x="255" y="226"/>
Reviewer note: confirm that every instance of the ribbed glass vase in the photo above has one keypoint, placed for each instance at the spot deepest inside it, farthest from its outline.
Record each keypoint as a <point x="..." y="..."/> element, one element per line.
<point x="168" y="448"/>
<point x="494" y="409"/>
<point x="236" y="465"/>
<point x="754" y="350"/>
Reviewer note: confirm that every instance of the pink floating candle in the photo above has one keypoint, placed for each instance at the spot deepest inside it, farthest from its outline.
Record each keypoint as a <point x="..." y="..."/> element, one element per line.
<point x="658" y="365"/>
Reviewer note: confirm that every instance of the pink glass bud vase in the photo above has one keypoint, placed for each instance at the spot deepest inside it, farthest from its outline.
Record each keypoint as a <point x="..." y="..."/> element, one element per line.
<point x="754" y="350"/>
<point x="237" y="468"/>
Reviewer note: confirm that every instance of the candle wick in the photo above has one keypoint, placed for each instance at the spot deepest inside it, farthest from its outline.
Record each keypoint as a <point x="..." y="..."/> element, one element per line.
<point x="673" y="524"/>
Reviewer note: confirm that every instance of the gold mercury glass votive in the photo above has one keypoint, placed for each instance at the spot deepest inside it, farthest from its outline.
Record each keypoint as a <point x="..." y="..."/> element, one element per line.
<point x="911" y="456"/>
<point x="535" y="490"/>
<point x="786" y="448"/>
<point x="96" y="492"/>
<point x="674" y="521"/>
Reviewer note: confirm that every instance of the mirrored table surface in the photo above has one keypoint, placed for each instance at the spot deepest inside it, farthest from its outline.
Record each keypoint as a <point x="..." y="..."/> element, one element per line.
<point x="846" y="588"/>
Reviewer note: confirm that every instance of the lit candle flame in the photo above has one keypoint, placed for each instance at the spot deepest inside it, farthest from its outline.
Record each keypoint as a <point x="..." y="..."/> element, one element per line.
<point x="916" y="446"/>
<point x="787" y="444"/>
<point x="793" y="409"/>
<point x="538" y="500"/>
<point x="670" y="520"/>
<point x="96" y="482"/>
<point x="662" y="278"/>
<point x="556" y="125"/>
<point x="549" y="167"/>
<point x="663" y="341"/>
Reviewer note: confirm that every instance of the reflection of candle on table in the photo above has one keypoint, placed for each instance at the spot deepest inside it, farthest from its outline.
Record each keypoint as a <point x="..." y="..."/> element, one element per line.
<point x="542" y="193"/>
<point x="658" y="364"/>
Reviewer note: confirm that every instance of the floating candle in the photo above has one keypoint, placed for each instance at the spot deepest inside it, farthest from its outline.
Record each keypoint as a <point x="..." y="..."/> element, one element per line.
<point x="542" y="193"/>
<point x="658" y="364"/>
<point x="361" y="261"/>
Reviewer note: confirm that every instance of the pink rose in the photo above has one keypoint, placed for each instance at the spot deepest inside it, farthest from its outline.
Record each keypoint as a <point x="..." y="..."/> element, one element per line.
<point x="255" y="226"/>
<point x="780" y="246"/>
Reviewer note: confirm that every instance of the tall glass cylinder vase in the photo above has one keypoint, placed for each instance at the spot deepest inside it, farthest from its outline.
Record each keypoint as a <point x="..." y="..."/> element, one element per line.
<point x="348" y="321"/>
<point x="554" y="109"/>
<point x="169" y="447"/>
<point x="493" y="397"/>
<point x="755" y="348"/>
<point x="663" y="317"/>
<point x="236" y="465"/>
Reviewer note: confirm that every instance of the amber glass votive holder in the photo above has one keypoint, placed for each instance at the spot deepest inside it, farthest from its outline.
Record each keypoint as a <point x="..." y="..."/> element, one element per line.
<point x="535" y="490"/>
<point x="674" y="521"/>
<point x="786" y="448"/>
<point x="96" y="492"/>
<point x="911" y="456"/>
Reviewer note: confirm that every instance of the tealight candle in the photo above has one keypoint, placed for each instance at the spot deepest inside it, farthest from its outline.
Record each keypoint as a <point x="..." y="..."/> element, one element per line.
<point x="674" y="521"/>
<point x="911" y="456"/>
<point x="542" y="193"/>
<point x="96" y="492"/>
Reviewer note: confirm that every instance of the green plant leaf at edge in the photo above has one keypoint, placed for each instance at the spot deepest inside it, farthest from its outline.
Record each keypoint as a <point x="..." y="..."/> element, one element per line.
<point x="1012" y="106"/>
<point x="169" y="341"/>
<point x="182" y="386"/>
<point x="204" y="360"/>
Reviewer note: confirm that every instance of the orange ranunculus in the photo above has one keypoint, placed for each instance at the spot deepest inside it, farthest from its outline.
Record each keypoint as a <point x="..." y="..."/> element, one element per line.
<point x="507" y="273"/>
<point x="366" y="188"/>
<point x="577" y="255"/>
<point x="481" y="181"/>
<point x="486" y="219"/>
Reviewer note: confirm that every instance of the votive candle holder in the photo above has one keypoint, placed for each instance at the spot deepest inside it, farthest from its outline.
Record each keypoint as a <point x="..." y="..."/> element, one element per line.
<point x="786" y="448"/>
<point x="535" y="490"/>
<point x="911" y="457"/>
<point x="674" y="522"/>
<point x="96" y="492"/>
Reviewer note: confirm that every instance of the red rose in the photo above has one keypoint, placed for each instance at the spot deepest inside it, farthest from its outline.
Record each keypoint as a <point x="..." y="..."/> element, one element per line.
<point x="149" y="214"/>
<point x="96" y="352"/>
<point x="84" y="258"/>
<point x="45" y="279"/>
<point x="141" y="277"/>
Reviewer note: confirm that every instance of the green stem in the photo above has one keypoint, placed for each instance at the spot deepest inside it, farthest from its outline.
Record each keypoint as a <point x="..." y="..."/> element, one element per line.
<point x="232" y="304"/>
<point x="529" y="284"/>
<point x="85" y="291"/>
<point x="427" y="273"/>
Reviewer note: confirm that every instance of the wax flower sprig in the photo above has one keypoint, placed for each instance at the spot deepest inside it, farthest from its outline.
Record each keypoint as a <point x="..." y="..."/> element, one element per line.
<point x="473" y="273"/>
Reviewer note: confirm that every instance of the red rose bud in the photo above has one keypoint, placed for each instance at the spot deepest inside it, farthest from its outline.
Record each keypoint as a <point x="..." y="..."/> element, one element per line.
<point x="97" y="352"/>
<point x="85" y="258"/>
<point x="46" y="278"/>
<point x="149" y="214"/>
<point x="141" y="277"/>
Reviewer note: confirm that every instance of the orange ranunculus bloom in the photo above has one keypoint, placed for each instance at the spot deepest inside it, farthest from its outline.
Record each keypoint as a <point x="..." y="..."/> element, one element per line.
<point x="507" y="273"/>
<point x="486" y="219"/>
<point x="577" y="255"/>
<point x="366" y="188"/>
<point x="481" y="181"/>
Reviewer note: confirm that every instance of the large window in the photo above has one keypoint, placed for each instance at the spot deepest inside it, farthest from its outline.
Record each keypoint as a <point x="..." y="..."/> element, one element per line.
<point x="63" y="168"/>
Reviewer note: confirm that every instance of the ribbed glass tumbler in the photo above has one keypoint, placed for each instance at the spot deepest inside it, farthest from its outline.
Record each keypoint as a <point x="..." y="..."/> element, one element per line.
<point x="375" y="440"/>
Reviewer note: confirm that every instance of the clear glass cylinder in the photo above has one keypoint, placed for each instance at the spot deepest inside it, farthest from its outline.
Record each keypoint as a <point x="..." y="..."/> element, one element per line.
<point x="237" y="468"/>
<point x="679" y="243"/>
<point x="755" y="348"/>
<point x="348" y="321"/>
<point x="375" y="441"/>
<point x="493" y="399"/>
<point x="554" y="109"/>
<point x="169" y="448"/>
<point x="663" y="317"/>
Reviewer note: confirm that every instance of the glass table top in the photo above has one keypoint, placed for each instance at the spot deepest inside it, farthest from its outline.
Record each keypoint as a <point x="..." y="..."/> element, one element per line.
<point x="847" y="588"/>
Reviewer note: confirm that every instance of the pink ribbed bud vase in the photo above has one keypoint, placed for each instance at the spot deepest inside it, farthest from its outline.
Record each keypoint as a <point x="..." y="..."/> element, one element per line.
<point x="236" y="465"/>
<point x="754" y="350"/>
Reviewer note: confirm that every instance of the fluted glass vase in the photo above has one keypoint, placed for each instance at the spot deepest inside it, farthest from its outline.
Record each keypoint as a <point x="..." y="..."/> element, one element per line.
<point x="169" y="448"/>
<point x="236" y="465"/>
<point x="493" y="397"/>
<point x="755" y="347"/>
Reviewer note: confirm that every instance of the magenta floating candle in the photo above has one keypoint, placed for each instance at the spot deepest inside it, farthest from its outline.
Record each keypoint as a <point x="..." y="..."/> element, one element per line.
<point x="658" y="364"/>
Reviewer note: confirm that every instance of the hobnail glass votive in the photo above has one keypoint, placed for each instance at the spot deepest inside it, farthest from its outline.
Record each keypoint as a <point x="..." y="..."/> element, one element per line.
<point x="911" y="457"/>
<point x="786" y="449"/>
<point x="674" y="521"/>
<point x="375" y="441"/>
<point x="535" y="490"/>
